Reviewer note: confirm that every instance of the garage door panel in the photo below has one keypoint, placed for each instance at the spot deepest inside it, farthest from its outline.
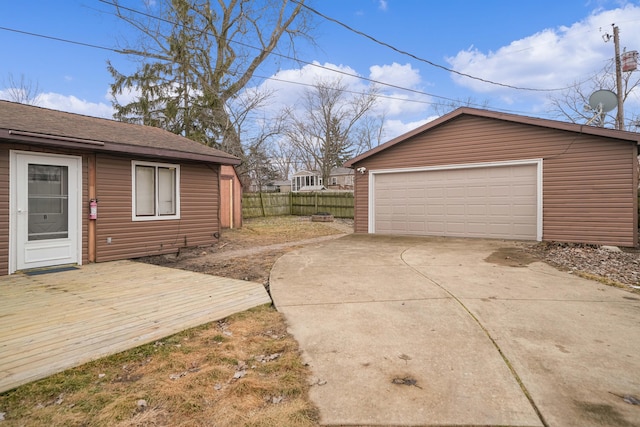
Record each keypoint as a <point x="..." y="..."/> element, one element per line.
<point x="434" y="192"/>
<point x="476" y="210"/>
<point x="523" y="211"/>
<point x="454" y="226"/>
<point x="433" y="210"/>
<point x="494" y="202"/>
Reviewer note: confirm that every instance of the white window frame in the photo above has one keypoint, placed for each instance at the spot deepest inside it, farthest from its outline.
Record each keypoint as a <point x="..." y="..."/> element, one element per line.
<point x="157" y="216"/>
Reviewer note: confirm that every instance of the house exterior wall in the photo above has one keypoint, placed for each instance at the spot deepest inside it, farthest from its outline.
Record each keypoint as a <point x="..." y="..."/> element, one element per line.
<point x="589" y="182"/>
<point x="199" y="201"/>
<point x="196" y="227"/>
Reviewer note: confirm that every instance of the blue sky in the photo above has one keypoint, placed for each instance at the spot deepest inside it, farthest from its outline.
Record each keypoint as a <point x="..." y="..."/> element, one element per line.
<point x="542" y="44"/>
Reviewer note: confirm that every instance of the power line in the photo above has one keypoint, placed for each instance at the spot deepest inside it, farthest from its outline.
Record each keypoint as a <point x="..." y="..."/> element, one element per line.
<point x="313" y="64"/>
<point x="417" y="58"/>
<point x="132" y="52"/>
<point x="94" y="46"/>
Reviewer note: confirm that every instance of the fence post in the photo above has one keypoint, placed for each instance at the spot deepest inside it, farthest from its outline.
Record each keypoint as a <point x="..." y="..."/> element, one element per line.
<point x="316" y="204"/>
<point x="262" y="204"/>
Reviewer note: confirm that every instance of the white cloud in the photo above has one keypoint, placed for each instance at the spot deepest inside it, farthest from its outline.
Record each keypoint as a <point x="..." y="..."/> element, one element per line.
<point x="71" y="104"/>
<point x="68" y="103"/>
<point x="552" y="58"/>
<point x="382" y="5"/>
<point x="394" y="128"/>
<point x="288" y="86"/>
<point x="397" y="106"/>
<point x="396" y="74"/>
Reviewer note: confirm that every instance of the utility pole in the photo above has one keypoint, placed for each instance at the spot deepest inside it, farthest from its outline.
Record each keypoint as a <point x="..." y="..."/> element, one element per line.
<point x="620" y="112"/>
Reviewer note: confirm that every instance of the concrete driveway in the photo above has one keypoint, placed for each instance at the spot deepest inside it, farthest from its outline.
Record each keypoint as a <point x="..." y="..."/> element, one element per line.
<point x="427" y="331"/>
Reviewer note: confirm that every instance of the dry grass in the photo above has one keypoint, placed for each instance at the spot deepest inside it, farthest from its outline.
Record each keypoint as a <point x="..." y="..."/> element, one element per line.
<point x="188" y="379"/>
<point x="185" y="380"/>
<point x="273" y="230"/>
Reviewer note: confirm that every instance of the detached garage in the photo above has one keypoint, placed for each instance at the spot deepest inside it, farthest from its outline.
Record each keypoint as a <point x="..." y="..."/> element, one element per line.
<point x="477" y="173"/>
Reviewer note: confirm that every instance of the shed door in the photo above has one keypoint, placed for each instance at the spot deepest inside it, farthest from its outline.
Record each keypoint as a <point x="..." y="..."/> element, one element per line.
<point x="487" y="202"/>
<point x="46" y="210"/>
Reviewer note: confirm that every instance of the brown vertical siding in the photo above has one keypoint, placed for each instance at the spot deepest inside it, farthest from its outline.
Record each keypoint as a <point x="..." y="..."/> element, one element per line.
<point x="361" y="206"/>
<point x="589" y="182"/>
<point x="4" y="211"/>
<point x="230" y="198"/>
<point x="198" y="212"/>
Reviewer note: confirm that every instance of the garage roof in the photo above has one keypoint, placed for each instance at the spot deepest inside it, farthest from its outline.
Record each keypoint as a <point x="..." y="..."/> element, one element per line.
<point x="553" y="124"/>
<point x="42" y="126"/>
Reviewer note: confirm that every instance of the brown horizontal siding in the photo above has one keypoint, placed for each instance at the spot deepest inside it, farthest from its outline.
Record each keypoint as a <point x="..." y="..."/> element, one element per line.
<point x="4" y="211"/>
<point x="583" y="175"/>
<point x="132" y="239"/>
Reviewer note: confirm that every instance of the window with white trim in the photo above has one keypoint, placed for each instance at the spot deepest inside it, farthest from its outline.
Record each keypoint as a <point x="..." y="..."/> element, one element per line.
<point x="155" y="191"/>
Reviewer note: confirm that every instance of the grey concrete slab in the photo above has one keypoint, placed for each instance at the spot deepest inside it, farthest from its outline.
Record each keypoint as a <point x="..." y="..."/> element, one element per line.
<point x="475" y="336"/>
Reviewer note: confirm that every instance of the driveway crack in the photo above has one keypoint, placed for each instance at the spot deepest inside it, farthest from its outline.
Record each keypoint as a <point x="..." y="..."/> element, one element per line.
<point x="487" y="333"/>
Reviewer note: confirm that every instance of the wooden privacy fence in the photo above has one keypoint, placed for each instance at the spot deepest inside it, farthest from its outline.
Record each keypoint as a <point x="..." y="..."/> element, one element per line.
<point x="338" y="204"/>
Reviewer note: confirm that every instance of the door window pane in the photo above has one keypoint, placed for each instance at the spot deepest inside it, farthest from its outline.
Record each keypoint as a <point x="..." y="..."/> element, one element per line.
<point x="48" y="195"/>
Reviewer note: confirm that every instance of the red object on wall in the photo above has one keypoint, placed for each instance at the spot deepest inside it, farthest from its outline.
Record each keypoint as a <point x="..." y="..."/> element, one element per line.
<point x="93" y="209"/>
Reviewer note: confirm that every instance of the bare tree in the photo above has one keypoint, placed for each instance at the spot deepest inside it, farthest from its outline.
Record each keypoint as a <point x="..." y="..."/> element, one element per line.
<point x="443" y="107"/>
<point x="284" y="158"/>
<point x="370" y="133"/>
<point x="197" y="56"/>
<point x="571" y="104"/>
<point x="324" y="130"/>
<point x="23" y="91"/>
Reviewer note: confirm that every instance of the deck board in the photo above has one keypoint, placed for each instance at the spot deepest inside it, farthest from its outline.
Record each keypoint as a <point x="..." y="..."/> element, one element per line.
<point x="52" y="322"/>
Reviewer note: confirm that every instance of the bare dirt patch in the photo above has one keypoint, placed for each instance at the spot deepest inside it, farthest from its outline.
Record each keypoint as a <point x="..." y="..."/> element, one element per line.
<point x="249" y="253"/>
<point x="511" y="257"/>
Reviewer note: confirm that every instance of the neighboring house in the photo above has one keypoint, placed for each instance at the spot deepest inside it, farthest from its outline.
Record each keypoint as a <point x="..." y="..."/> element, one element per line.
<point x="230" y="198"/>
<point x="478" y="173"/>
<point x="271" y="187"/>
<point x="339" y="179"/>
<point x="281" y="186"/>
<point x="150" y="191"/>
<point x="306" y="181"/>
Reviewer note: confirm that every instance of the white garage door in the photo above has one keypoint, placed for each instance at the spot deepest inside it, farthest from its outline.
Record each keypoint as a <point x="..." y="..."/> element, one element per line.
<point x="491" y="202"/>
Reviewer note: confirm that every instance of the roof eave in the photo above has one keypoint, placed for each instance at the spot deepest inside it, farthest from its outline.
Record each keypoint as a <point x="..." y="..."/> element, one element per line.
<point x="103" y="146"/>
<point x="169" y="154"/>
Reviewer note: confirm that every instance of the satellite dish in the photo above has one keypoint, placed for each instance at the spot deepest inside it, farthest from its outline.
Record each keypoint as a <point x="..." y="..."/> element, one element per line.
<point x="603" y="100"/>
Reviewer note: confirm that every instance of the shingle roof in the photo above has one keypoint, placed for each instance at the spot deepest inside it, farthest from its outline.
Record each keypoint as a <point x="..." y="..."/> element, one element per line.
<point x="36" y="125"/>
<point x="553" y="124"/>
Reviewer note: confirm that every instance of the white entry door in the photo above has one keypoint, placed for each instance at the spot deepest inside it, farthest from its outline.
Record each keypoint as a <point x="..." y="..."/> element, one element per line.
<point x="46" y="210"/>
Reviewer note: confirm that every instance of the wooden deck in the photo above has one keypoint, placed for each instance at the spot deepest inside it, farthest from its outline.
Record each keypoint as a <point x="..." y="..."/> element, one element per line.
<point x="55" y="321"/>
